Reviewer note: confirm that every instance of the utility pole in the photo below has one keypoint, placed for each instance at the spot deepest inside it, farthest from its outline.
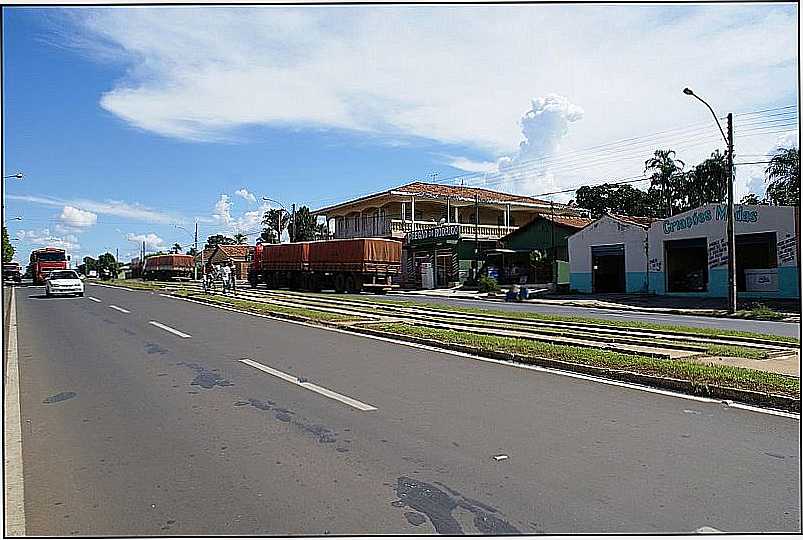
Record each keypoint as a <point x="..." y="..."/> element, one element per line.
<point x="195" y="266"/>
<point x="731" y="231"/>
<point x="116" y="262"/>
<point x="554" y="258"/>
<point x="294" y="223"/>
<point x="476" y="237"/>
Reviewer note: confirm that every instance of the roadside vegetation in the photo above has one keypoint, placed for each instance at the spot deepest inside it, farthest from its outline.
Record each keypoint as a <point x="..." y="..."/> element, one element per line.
<point x="264" y="308"/>
<point x="760" y="312"/>
<point x="134" y="284"/>
<point x="695" y="373"/>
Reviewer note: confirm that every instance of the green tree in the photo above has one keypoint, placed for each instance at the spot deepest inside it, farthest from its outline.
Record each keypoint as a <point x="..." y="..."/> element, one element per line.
<point x="176" y="248"/>
<point x="304" y="226"/>
<point x="240" y="238"/>
<point x="107" y="262"/>
<point x="705" y="183"/>
<point x="783" y="175"/>
<point x="667" y="181"/>
<point x="8" y="249"/>
<point x="192" y="251"/>
<point x="616" y="199"/>
<point x="216" y="239"/>
<point x="751" y="198"/>
<point x="275" y="224"/>
<point x="89" y="264"/>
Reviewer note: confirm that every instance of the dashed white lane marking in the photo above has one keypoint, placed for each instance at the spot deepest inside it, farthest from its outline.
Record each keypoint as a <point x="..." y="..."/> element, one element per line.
<point x="310" y="386"/>
<point x="171" y="330"/>
<point x="14" y="479"/>
<point x="121" y="310"/>
<point x="573" y="375"/>
<point x="707" y="530"/>
<point x="94" y="299"/>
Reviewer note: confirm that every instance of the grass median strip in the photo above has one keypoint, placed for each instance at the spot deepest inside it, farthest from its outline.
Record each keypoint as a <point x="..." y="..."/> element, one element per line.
<point x="265" y="309"/>
<point x="134" y="284"/>
<point x="698" y="374"/>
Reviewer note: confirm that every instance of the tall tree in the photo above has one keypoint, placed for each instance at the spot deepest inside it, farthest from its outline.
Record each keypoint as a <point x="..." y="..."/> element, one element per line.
<point x="107" y="262"/>
<point x="783" y="175"/>
<point x="667" y="179"/>
<point x="622" y="199"/>
<point x="751" y="198"/>
<point x="306" y="226"/>
<point x="705" y="183"/>
<point x="275" y="223"/>
<point x="8" y="249"/>
<point x="216" y="239"/>
<point x="192" y="251"/>
<point x="240" y="238"/>
<point x="176" y="248"/>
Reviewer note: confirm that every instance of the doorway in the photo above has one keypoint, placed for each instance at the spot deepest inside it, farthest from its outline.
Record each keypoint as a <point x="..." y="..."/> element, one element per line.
<point x="608" y="268"/>
<point x="686" y="265"/>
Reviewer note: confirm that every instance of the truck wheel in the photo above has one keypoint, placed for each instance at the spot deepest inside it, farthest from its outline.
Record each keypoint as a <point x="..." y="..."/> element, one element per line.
<point x="340" y="283"/>
<point x="351" y="285"/>
<point x="315" y="283"/>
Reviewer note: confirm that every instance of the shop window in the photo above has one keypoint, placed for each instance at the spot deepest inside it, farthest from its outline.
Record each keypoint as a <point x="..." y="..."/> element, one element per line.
<point x="756" y="262"/>
<point x="686" y="265"/>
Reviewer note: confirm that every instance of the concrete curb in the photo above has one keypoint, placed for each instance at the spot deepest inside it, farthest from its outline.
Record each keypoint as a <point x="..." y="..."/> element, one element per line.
<point x="748" y="397"/>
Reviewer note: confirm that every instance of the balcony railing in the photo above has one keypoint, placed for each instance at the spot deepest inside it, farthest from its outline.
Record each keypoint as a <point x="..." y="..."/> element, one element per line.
<point x="396" y="228"/>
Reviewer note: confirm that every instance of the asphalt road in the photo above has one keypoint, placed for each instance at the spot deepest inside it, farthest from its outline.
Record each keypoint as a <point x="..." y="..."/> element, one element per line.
<point x="131" y="429"/>
<point x="763" y="327"/>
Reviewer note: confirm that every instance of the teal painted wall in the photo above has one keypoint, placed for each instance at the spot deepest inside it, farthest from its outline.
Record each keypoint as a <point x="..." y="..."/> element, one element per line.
<point x="657" y="283"/>
<point x="636" y="282"/>
<point x="580" y="281"/>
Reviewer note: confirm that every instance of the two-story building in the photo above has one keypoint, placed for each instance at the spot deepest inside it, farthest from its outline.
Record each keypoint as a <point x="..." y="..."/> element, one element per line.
<point x="461" y="223"/>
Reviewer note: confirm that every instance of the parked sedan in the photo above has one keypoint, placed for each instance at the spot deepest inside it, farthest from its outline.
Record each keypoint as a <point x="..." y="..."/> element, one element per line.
<point x="63" y="282"/>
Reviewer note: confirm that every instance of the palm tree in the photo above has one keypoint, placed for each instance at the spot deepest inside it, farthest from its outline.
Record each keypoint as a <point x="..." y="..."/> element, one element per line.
<point x="176" y="248"/>
<point x="240" y="238"/>
<point x="783" y="175"/>
<point x="667" y="176"/>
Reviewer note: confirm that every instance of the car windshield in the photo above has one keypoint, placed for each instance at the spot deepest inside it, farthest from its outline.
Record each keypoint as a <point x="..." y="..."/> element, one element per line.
<point x="64" y="274"/>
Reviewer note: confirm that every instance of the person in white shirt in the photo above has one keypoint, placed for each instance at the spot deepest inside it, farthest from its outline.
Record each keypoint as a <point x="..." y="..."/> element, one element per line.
<point x="226" y="272"/>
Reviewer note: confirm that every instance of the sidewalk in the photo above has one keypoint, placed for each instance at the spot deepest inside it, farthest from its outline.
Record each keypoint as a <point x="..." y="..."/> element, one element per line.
<point x="708" y="307"/>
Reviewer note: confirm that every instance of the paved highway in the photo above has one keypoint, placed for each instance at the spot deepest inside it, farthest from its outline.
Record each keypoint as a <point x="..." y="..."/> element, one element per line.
<point x="763" y="327"/>
<point x="146" y="415"/>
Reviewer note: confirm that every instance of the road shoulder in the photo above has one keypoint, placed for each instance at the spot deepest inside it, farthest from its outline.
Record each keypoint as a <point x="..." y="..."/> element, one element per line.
<point x="12" y="434"/>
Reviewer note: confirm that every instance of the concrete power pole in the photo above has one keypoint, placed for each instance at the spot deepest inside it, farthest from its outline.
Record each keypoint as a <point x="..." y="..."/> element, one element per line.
<point x="731" y="232"/>
<point x="195" y="266"/>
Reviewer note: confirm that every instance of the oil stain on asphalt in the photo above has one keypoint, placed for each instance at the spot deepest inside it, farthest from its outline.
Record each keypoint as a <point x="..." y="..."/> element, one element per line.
<point x="205" y="378"/>
<point x="438" y="505"/>
<point x="323" y="434"/>
<point x="61" y="396"/>
<point x="155" y="348"/>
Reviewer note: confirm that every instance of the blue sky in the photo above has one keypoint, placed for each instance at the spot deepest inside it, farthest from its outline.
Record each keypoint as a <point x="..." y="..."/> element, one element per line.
<point x="127" y="121"/>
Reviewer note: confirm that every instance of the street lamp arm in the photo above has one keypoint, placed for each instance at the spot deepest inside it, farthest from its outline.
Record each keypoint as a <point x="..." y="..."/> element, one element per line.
<point x="688" y="92"/>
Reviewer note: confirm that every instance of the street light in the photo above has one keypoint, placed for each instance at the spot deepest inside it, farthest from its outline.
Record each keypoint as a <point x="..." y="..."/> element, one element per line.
<point x="279" y="229"/>
<point x="731" y="234"/>
<point x="18" y="176"/>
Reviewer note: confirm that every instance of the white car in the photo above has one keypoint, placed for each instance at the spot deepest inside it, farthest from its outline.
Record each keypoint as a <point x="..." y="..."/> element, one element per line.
<point x="63" y="282"/>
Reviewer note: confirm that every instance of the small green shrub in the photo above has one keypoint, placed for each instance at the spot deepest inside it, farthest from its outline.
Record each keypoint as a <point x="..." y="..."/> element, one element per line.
<point x="488" y="284"/>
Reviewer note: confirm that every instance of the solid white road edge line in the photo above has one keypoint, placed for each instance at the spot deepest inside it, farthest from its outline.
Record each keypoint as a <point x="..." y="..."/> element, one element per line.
<point x="121" y="310"/>
<point x="171" y="330"/>
<point x="94" y="299"/>
<point x="609" y="382"/>
<point x="14" y="480"/>
<point x="309" y="386"/>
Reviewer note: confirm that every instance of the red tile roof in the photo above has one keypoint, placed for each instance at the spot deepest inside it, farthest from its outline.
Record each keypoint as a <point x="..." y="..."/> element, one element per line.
<point x="568" y="221"/>
<point x="239" y="251"/>
<point x="440" y="190"/>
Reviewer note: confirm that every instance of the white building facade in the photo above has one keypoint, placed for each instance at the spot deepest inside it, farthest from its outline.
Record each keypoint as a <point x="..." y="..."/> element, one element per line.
<point x="687" y="254"/>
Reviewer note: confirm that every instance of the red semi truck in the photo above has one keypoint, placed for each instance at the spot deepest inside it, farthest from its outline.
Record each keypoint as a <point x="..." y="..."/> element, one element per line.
<point x="44" y="261"/>
<point x="168" y="267"/>
<point x="343" y="265"/>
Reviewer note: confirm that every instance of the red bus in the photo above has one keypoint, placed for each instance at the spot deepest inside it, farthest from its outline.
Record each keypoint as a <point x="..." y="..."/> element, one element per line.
<point x="46" y="260"/>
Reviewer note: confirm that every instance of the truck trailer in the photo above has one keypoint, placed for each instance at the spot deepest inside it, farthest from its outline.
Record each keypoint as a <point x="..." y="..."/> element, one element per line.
<point x="166" y="267"/>
<point x="349" y="265"/>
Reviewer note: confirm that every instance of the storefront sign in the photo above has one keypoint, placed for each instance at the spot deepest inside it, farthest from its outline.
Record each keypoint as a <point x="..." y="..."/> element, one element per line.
<point x="435" y="233"/>
<point x="695" y="219"/>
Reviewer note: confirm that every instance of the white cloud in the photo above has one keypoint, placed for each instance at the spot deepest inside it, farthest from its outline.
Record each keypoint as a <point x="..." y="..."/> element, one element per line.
<point x="456" y="74"/>
<point x="45" y="237"/>
<point x="222" y="214"/>
<point x="469" y="165"/>
<point x="151" y="240"/>
<point x="77" y="218"/>
<point x="245" y="194"/>
<point x="112" y="208"/>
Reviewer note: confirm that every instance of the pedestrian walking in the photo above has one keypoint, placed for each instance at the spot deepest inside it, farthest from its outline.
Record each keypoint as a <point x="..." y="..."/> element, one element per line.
<point x="233" y="272"/>
<point x="226" y="273"/>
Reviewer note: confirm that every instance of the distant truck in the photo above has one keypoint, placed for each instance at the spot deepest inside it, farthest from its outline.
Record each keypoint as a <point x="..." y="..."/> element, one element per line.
<point x="165" y="267"/>
<point x="350" y="265"/>
<point x="44" y="261"/>
<point x="12" y="272"/>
